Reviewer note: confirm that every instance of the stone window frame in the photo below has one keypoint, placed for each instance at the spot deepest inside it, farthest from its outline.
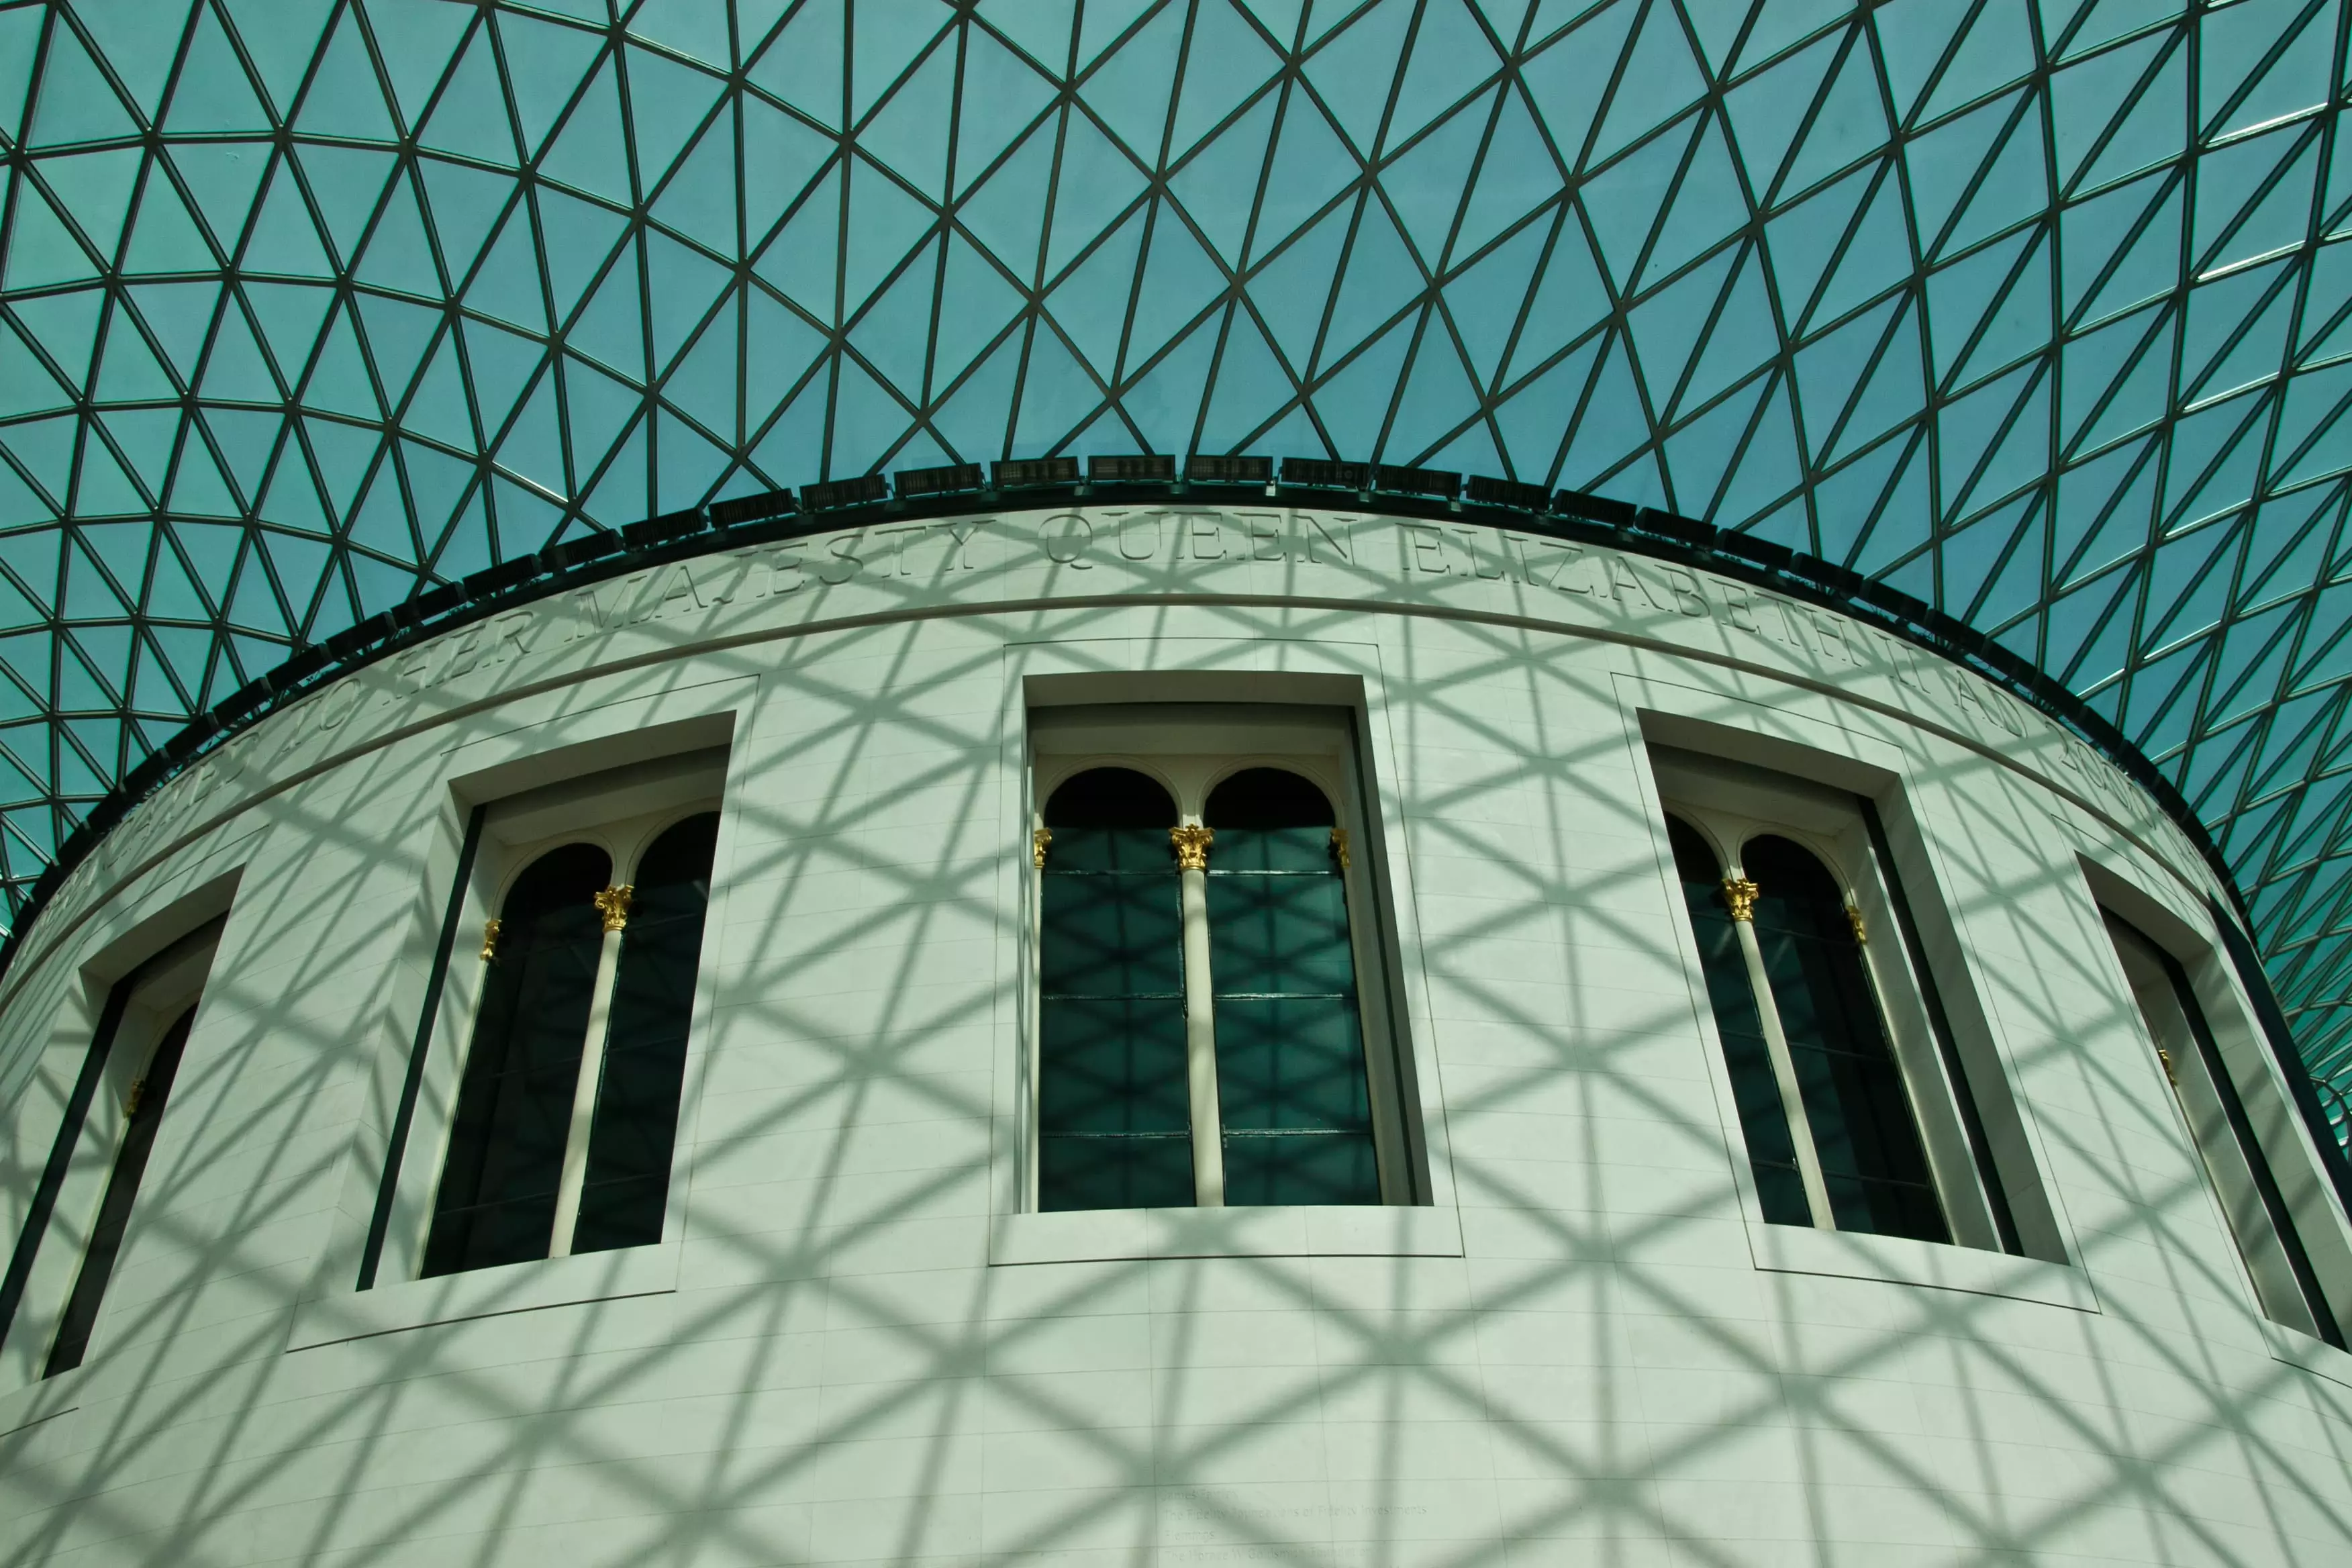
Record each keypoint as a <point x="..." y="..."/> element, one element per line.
<point x="1304" y="671"/>
<point x="543" y="738"/>
<point x="1189" y="750"/>
<point x="1731" y="805"/>
<point x="1774" y="724"/>
<point x="622" y="811"/>
<point x="2118" y="883"/>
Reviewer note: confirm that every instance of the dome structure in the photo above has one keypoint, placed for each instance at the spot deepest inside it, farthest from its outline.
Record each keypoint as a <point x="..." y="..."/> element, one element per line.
<point x="2035" y="312"/>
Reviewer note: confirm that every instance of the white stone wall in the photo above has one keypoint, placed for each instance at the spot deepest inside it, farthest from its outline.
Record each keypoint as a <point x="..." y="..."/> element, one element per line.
<point x="847" y="1350"/>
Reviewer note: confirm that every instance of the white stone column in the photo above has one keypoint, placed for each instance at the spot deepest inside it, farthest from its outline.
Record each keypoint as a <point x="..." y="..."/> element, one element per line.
<point x="1192" y="841"/>
<point x="613" y="904"/>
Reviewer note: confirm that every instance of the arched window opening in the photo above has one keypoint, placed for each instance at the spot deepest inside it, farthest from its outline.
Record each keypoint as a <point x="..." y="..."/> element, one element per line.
<point x="635" y="1131"/>
<point x="1114" y="1110"/>
<point x="496" y="1199"/>
<point x="1294" y="1102"/>
<point x="2239" y="1172"/>
<point x="149" y="1092"/>
<point x="1739" y="1024"/>
<point x="1865" y="1136"/>
<point x="1216" y="1024"/>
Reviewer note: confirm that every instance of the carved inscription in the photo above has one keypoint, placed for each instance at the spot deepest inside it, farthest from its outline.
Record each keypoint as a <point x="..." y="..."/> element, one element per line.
<point x="1132" y="549"/>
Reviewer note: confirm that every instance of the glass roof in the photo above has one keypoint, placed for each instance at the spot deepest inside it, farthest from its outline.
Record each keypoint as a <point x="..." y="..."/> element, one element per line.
<point x="2040" y="310"/>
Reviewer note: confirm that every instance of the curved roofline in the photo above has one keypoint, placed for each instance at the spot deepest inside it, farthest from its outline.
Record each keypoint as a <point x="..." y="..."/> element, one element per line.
<point x="1570" y="515"/>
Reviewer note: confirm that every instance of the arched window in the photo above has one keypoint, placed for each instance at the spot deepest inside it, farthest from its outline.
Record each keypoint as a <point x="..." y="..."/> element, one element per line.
<point x="150" y="1092"/>
<point x="1293" y="1101"/>
<point x="1203" y="1029"/>
<point x="1114" y="1110"/>
<point x="498" y="1185"/>
<point x="1872" y="1166"/>
<point x="1850" y="1096"/>
<point x="636" y="1127"/>
<point x="1747" y="1054"/>
<point x="567" y="1107"/>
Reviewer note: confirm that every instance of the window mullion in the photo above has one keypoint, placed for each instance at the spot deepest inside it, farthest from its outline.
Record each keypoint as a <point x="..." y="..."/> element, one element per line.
<point x="613" y="904"/>
<point x="1740" y="893"/>
<point x="1191" y="843"/>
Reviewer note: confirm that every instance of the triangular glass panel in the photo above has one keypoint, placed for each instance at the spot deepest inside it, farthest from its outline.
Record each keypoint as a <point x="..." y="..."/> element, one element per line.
<point x="1767" y="110"/>
<point x="1227" y="62"/>
<point x="1657" y="82"/>
<point x="545" y="63"/>
<point x="589" y="152"/>
<point x="668" y="102"/>
<point x="65" y="327"/>
<point x="1091" y="304"/>
<point x="470" y="119"/>
<point x="1251" y="388"/>
<point x="1351" y="72"/>
<point x="1485" y="301"/>
<point x="1451" y="57"/>
<point x="163" y="237"/>
<point x="909" y="134"/>
<point x="344" y="98"/>
<point x="1849" y="124"/>
<point x="1626" y="202"/>
<point x="1218" y="188"/>
<point x="985" y="304"/>
<point x="95" y="191"/>
<point x="418" y="43"/>
<point x="75" y="102"/>
<point x="1129" y="91"/>
<point x="801" y="65"/>
<point x="1311" y="166"/>
<point x="1289" y="292"/>
<point x="1572" y="299"/>
<point x="1425" y="185"/>
<point x="129" y="371"/>
<point x="682" y="287"/>
<point x="1096" y="183"/>
<point x="283" y="240"/>
<point x="704" y="384"/>
<point x="1568" y="81"/>
<point x="885" y="225"/>
<point x="1438" y="398"/>
<point x="893" y="334"/>
<point x="41" y="250"/>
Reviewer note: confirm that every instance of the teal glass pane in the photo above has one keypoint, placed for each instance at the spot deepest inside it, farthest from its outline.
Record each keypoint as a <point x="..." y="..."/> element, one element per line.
<point x="1739" y="1025"/>
<point x="1872" y="1160"/>
<point x="495" y="1200"/>
<point x="1114" y="1106"/>
<point x="1291" y="1087"/>
<point x="635" y="1130"/>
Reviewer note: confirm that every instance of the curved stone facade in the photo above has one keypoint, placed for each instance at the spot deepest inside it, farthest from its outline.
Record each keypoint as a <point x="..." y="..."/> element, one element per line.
<point x="1577" y="1341"/>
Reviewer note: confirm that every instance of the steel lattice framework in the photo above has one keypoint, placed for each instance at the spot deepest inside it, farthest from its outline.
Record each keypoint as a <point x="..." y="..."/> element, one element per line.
<point x="2031" y="310"/>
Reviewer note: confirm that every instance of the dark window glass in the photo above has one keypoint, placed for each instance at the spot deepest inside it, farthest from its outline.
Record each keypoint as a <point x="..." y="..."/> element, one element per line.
<point x="121" y="1191"/>
<point x="636" y="1125"/>
<point x="2246" y="1186"/>
<point x="1763" y="1118"/>
<point x="1291" y="1088"/>
<point x="1114" y="1113"/>
<point x="496" y="1199"/>
<point x="1872" y="1162"/>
